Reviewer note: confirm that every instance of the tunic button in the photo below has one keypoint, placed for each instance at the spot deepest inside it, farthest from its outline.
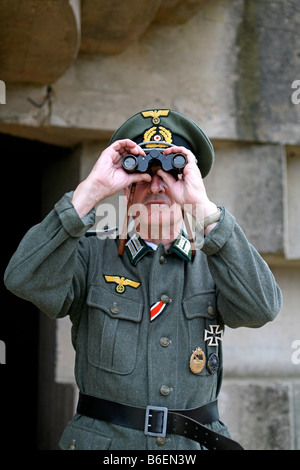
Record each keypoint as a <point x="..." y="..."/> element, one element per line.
<point x="160" y="441"/>
<point x="162" y="259"/>
<point x="165" y="390"/>
<point x="164" y="341"/>
<point x="72" y="445"/>
<point x="210" y="309"/>
<point x="114" y="309"/>
<point x="165" y="299"/>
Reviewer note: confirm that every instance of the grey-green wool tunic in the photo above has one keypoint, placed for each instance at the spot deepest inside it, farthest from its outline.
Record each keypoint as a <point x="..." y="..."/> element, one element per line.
<point x="120" y="354"/>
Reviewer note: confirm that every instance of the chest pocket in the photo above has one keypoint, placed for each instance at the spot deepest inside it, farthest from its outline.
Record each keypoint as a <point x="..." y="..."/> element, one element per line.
<point x="201" y="313"/>
<point x="113" y="330"/>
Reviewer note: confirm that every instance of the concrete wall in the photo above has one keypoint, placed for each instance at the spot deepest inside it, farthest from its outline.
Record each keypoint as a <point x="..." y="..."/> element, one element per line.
<point x="230" y="67"/>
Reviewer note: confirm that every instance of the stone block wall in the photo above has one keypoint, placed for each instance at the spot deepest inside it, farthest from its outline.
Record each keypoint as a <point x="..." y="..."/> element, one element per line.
<point x="232" y="66"/>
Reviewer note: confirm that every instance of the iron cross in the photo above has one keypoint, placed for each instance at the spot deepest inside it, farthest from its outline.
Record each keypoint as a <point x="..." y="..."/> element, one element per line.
<point x="214" y="335"/>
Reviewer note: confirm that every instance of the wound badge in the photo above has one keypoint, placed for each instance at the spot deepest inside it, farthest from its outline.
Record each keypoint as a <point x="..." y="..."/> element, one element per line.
<point x="197" y="361"/>
<point x="213" y="363"/>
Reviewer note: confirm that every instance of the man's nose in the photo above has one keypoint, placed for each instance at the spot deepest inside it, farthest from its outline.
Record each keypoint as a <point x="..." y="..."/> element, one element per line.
<point x="157" y="185"/>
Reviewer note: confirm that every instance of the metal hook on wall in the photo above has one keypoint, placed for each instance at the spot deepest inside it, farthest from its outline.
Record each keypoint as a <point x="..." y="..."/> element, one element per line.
<point x="46" y="98"/>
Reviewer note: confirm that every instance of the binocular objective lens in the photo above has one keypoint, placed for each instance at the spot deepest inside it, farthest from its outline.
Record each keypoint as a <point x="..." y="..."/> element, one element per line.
<point x="179" y="160"/>
<point x="129" y="162"/>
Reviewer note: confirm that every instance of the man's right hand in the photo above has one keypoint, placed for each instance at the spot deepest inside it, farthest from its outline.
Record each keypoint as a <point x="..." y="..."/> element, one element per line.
<point x="107" y="176"/>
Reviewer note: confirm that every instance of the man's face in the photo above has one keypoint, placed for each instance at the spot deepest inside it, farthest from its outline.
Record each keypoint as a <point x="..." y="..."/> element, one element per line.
<point x="157" y="216"/>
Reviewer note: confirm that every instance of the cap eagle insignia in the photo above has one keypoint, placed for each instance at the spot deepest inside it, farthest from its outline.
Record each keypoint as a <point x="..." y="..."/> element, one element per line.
<point x="155" y="114"/>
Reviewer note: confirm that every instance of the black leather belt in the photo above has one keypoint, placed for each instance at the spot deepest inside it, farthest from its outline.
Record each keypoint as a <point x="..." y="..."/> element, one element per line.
<point x="159" y="421"/>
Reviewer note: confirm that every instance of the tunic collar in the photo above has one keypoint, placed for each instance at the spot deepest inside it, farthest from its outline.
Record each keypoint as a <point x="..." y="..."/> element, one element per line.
<point x="136" y="248"/>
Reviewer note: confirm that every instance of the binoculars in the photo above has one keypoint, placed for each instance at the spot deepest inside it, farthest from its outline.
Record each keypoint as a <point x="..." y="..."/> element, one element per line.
<point x="172" y="163"/>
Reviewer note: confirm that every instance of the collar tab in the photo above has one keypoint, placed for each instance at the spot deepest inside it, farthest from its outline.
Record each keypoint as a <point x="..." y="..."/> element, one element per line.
<point x="136" y="248"/>
<point x="182" y="247"/>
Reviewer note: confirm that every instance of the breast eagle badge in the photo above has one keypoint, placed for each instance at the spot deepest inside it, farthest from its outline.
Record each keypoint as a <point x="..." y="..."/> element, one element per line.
<point x="121" y="282"/>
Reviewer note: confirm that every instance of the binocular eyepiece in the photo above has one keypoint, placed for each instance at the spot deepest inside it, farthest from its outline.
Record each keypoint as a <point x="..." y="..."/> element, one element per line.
<point x="172" y="163"/>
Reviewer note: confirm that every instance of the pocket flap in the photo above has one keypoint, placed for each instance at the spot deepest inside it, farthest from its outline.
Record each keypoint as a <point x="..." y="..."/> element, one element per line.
<point x="201" y="305"/>
<point x="115" y="305"/>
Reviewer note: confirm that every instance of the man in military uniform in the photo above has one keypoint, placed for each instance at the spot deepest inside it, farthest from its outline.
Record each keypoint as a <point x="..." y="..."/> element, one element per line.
<point x="147" y="324"/>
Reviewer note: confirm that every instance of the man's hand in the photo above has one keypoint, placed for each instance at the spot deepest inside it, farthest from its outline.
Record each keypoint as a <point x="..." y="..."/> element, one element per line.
<point x="107" y="176"/>
<point x="189" y="189"/>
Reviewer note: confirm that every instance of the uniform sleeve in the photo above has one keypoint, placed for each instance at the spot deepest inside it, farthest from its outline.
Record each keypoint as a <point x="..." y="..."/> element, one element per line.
<point x="247" y="291"/>
<point x="49" y="266"/>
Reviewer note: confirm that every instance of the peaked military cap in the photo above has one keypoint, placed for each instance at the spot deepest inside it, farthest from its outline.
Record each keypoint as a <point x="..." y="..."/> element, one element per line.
<point x="166" y="125"/>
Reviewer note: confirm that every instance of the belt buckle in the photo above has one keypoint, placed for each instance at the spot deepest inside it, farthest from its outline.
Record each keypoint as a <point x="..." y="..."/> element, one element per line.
<point x="156" y="418"/>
